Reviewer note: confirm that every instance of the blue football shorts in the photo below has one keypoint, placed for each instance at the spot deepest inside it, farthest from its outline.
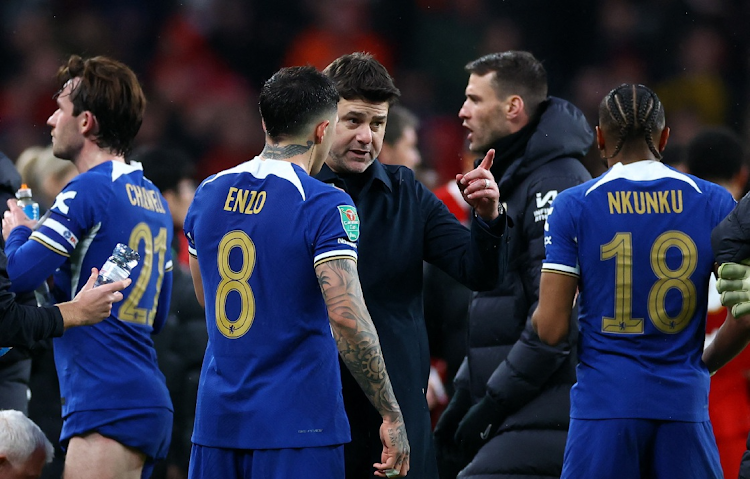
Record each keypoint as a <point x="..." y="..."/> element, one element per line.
<point x="325" y="462"/>
<point x="147" y="430"/>
<point x="635" y="448"/>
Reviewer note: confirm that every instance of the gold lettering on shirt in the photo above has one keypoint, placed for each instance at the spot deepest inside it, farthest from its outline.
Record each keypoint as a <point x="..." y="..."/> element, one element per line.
<point x="249" y="202"/>
<point x="644" y="202"/>
<point x="144" y="198"/>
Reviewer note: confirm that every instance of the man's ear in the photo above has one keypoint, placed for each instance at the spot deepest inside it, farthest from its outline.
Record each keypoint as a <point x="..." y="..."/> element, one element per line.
<point x="88" y="123"/>
<point x="514" y="106"/>
<point x="600" y="139"/>
<point x="663" y="139"/>
<point x="320" y="131"/>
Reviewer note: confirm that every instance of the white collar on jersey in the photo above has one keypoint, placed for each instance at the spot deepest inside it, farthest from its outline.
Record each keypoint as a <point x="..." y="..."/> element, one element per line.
<point x="261" y="168"/>
<point x="120" y="168"/>
<point x="645" y="170"/>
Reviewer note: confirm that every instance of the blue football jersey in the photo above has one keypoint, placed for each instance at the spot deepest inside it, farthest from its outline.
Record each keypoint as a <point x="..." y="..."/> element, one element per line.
<point x="110" y="365"/>
<point x="270" y="376"/>
<point x="638" y="237"/>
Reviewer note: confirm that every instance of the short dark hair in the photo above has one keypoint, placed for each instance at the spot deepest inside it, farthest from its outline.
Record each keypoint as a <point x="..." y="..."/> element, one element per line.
<point x="516" y="73"/>
<point x="715" y="153"/>
<point x="111" y="92"/>
<point x="633" y="113"/>
<point x="359" y="76"/>
<point x="164" y="166"/>
<point x="399" y="119"/>
<point x="293" y="98"/>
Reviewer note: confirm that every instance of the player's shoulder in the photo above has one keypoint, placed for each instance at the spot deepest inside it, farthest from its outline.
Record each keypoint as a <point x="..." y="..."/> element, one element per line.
<point x="575" y="193"/>
<point x="711" y="189"/>
<point x="715" y="194"/>
<point x="105" y="174"/>
<point x="320" y="192"/>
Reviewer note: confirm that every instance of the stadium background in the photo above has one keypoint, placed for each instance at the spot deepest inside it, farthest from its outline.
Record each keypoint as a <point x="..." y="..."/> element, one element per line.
<point x="203" y="61"/>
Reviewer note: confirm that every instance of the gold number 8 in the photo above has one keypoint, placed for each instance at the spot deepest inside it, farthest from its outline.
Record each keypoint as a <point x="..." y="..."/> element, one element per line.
<point x="232" y="280"/>
<point x="678" y="279"/>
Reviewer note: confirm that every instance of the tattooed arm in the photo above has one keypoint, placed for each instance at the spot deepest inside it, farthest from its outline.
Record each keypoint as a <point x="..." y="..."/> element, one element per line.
<point x="359" y="347"/>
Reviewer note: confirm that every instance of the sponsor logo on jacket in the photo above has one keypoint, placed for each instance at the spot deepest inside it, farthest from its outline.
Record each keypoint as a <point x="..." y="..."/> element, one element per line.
<point x="543" y="205"/>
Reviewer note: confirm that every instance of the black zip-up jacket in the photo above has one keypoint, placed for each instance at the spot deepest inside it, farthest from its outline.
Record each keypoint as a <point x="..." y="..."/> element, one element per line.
<point x="530" y="380"/>
<point x="402" y="225"/>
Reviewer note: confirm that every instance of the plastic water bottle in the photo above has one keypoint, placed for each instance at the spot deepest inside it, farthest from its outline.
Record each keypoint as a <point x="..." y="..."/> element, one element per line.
<point x="119" y="265"/>
<point x="27" y="203"/>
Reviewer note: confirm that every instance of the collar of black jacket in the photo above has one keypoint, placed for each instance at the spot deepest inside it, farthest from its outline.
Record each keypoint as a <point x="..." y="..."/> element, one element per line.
<point x="375" y="172"/>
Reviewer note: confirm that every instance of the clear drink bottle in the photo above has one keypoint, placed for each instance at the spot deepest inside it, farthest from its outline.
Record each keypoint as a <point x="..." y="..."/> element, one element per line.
<point x="119" y="265"/>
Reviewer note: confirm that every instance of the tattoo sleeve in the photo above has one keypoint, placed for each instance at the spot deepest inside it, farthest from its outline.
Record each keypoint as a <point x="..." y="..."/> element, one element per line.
<point x="355" y="335"/>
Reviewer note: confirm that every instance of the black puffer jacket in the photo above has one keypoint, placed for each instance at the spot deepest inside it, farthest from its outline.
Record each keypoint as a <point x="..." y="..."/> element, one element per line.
<point x="530" y="380"/>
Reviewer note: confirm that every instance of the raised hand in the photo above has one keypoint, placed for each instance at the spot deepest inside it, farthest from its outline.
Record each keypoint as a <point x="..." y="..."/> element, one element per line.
<point x="479" y="189"/>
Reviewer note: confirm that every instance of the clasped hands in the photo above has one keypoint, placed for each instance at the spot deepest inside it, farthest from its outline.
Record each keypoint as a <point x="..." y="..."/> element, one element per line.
<point x="734" y="285"/>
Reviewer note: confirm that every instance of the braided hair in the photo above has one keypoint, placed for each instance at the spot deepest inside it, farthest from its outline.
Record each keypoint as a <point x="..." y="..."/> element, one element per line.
<point x="635" y="112"/>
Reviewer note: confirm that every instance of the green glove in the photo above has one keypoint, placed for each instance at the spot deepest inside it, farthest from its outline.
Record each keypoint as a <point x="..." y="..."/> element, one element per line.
<point x="734" y="286"/>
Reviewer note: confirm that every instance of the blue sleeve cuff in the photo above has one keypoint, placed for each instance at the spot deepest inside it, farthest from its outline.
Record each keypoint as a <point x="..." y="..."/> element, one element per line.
<point x="17" y="237"/>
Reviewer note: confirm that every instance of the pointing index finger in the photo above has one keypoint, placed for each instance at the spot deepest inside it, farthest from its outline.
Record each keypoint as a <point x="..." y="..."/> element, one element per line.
<point x="488" y="159"/>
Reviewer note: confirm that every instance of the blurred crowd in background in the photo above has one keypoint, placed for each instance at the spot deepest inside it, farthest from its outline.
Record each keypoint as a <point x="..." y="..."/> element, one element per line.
<point x="202" y="62"/>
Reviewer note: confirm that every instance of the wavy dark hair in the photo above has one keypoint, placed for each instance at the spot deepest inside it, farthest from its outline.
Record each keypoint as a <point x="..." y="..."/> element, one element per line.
<point x="111" y="92"/>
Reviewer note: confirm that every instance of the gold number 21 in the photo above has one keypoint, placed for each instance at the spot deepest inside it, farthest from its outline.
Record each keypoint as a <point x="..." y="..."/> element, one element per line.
<point x="129" y="311"/>
<point x="621" y="249"/>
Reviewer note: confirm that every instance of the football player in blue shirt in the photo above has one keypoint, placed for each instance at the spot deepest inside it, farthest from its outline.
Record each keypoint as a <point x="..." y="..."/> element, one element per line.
<point x="635" y="244"/>
<point x="265" y="238"/>
<point x="117" y="414"/>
